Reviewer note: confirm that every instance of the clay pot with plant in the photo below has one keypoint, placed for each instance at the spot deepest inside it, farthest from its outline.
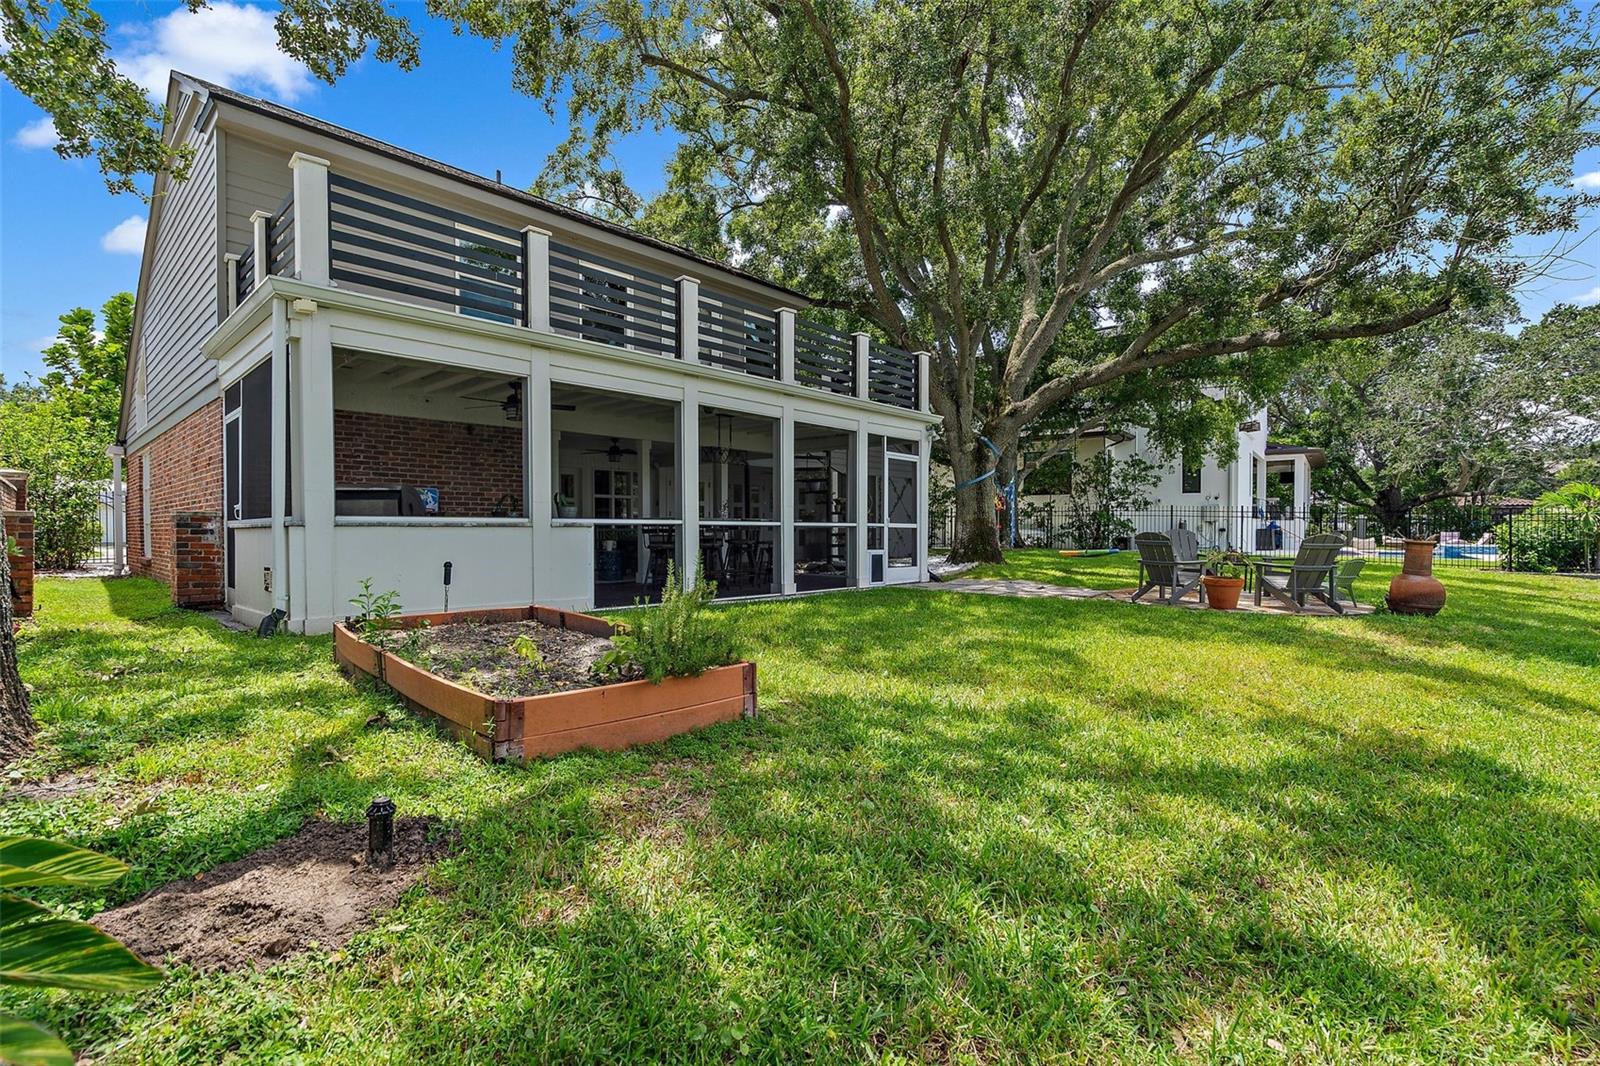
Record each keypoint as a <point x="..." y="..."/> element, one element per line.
<point x="1224" y="579"/>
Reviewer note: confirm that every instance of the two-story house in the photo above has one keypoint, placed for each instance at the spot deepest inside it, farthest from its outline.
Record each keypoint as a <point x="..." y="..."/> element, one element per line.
<point x="350" y="362"/>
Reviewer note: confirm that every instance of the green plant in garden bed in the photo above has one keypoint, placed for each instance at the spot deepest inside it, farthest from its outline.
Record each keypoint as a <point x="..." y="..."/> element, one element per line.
<point x="677" y="638"/>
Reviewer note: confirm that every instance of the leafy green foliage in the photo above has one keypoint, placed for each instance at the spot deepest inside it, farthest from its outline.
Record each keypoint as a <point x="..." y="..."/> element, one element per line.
<point x="41" y="948"/>
<point x="57" y="429"/>
<point x="1224" y="563"/>
<point x="375" y="614"/>
<point x="56" y="54"/>
<point x="1458" y="408"/>
<point x="527" y="649"/>
<point x="679" y="637"/>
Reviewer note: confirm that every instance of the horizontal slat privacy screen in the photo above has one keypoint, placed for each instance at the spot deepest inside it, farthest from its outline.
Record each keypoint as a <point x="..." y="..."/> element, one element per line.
<point x="397" y="244"/>
<point x="392" y="244"/>
<point x="824" y="358"/>
<point x="602" y="300"/>
<point x="280" y="238"/>
<point x="738" y="335"/>
<point x="891" y="375"/>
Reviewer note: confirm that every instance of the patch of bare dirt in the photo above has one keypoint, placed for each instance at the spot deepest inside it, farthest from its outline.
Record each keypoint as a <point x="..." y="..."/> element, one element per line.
<point x="493" y="657"/>
<point x="313" y="887"/>
<point x="62" y="786"/>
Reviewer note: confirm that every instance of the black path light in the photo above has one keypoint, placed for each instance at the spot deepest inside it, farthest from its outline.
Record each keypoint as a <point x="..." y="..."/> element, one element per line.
<point x="380" y="833"/>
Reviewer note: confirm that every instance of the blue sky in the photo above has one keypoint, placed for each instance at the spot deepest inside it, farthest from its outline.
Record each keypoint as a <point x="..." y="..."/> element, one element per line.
<point x="65" y="241"/>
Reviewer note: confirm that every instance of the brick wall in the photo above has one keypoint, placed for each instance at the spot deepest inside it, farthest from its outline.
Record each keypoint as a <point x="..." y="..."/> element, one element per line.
<point x="185" y="476"/>
<point x="19" y="527"/>
<point x="197" y="555"/>
<point x="473" y="466"/>
<point x="13" y="490"/>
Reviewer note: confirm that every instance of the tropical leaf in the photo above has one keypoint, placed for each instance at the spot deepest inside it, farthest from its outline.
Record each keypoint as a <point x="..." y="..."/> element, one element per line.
<point x="36" y="862"/>
<point x="42" y="948"/>
<point x="22" y="1043"/>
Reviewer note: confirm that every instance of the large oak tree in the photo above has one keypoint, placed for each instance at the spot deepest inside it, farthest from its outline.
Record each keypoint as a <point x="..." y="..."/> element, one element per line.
<point x="1075" y="206"/>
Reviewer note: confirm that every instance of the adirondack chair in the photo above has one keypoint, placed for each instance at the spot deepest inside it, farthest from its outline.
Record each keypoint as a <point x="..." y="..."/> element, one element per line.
<point x="1345" y="580"/>
<point x="1185" y="544"/>
<point x="1160" y="568"/>
<point x="1310" y="574"/>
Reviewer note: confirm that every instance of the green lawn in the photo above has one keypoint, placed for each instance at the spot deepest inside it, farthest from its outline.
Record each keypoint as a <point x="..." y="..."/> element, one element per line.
<point x="965" y="828"/>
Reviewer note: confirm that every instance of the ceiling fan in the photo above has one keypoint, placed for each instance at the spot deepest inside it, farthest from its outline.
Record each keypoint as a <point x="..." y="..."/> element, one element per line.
<point x="614" y="453"/>
<point x="511" y="404"/>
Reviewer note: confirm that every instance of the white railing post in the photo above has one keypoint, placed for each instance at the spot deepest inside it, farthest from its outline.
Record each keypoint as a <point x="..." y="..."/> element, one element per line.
<point x="688" y="318"/>
<point x="924" y="361"/>
<point x="862" y="345"/>
<point x="785" y="317"/>
<point x="536" y="278"/>
<point x="311" y="253"/>
<point x="230" y="263"/>
<point x="262" y="241"/>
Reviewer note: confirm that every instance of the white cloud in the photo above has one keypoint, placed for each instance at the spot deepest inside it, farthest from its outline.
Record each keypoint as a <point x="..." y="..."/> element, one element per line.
<point x="126" y="237"/>
<point x="1584" y="299"/>
<point x="228" y="43"/>
<point x="38" y="134"/>
<point x="1590" y="180"/>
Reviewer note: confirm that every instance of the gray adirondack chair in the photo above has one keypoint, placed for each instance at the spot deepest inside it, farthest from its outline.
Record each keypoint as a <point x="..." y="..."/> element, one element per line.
<point x="1310" y="574"/>
<point x="1161" y="569"/>
<point x="1185" y="544"/>
<point x="1345" y="580"/>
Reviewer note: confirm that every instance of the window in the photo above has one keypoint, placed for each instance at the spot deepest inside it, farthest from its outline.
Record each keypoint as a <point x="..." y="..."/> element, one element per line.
<point x="1191" y="472"/>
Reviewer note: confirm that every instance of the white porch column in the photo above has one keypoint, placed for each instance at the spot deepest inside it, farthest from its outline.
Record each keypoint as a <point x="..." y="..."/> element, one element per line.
<point x="536" y="278"/>
<point x="314" y="426"/>
<point x="689" y="480"/>
<point x="282" y="454"/>
<point x="688" y="319"/>
<point x="858" y="502"/>
<point x="783" y="558"/>
<point x="924" y="362"/>
<point x="539" y="460"/>
<point x="262" y="245"/>
<point x="924" y="460"/>
<point x="119" y="520"/>
<point x="861" y="344"/>
<point x="230" y="266"/>
<point x="785" y="318"/>
<point x="311" y="255"/>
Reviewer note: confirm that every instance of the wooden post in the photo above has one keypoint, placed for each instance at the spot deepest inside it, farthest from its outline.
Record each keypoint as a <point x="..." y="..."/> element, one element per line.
<point x="924" y="361"/>
<point x="230" y="263"/>
<point x="862" y="345"/>
<point x="262" y="240"/>
<point x="785" y="317"/>
<point x="312" y="258"/>
<point x="688" y="320"/>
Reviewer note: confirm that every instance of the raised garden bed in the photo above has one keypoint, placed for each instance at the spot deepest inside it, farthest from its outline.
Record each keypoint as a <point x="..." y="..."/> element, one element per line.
<point x="561" y="713"/>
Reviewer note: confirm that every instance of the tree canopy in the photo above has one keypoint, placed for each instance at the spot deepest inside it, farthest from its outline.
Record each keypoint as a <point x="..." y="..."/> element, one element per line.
<point x="1454" y="409"/>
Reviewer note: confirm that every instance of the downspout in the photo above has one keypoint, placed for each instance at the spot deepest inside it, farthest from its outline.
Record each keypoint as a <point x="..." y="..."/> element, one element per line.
<point x="280" y="455"/>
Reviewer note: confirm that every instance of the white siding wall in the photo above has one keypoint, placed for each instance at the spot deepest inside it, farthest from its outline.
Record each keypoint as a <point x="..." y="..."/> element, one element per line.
<point x="181" y="301"/>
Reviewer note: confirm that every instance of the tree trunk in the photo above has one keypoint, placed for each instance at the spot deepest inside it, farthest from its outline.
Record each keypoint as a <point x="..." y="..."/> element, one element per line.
<point x="16" y="718"/>
<point x="1393" y="510"/>
<point x="975" y="537"/>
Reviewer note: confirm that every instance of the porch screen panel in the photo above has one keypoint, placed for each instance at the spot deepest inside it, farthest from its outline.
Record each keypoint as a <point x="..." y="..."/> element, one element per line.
<point x="255" y="443"/>
<point x="739" y="487"/>
<point x="823" y="518"/>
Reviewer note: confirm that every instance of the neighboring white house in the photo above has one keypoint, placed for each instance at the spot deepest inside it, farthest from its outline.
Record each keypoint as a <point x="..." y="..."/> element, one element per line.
<point x="1256" y="501"/>
<point x="353" y="362"/>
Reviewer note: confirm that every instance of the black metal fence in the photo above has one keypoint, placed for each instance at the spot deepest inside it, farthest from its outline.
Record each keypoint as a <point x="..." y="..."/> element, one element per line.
<point x="1482" y="537"/>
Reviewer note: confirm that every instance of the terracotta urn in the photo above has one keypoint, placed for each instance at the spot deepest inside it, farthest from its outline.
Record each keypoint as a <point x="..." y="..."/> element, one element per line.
<point x="1414" y="589"/>
<point x="1222" y="593"/>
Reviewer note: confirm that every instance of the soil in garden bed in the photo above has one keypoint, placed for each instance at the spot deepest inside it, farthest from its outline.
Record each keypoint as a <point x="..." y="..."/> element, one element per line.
<point x="482" y="656"/>
<point x="311" y="888"/>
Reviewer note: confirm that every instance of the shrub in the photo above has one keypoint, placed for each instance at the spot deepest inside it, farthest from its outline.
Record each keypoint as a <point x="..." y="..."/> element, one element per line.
<point x="678" y="638"/>
<point x="1542" y="541"/>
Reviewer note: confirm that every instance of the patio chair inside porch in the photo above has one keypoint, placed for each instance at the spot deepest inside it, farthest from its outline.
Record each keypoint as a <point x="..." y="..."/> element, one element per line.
<point x="1312" y="573"/>
<point x="1161" y="569"/>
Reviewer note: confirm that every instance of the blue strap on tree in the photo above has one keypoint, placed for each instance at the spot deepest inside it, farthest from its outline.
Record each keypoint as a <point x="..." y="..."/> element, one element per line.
<point x="1009" y="491"/>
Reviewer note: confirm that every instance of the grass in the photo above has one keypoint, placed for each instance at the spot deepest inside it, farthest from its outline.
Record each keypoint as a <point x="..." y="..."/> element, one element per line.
<point x="965" y="829"/>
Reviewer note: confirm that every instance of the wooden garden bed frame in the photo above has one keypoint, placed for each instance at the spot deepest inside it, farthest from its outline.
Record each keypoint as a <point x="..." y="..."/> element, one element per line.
<point x="609" y="717"/>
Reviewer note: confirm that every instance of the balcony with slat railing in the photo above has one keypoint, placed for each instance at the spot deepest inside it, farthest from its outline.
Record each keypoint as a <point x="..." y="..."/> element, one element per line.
<point x="386" y="243"/>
